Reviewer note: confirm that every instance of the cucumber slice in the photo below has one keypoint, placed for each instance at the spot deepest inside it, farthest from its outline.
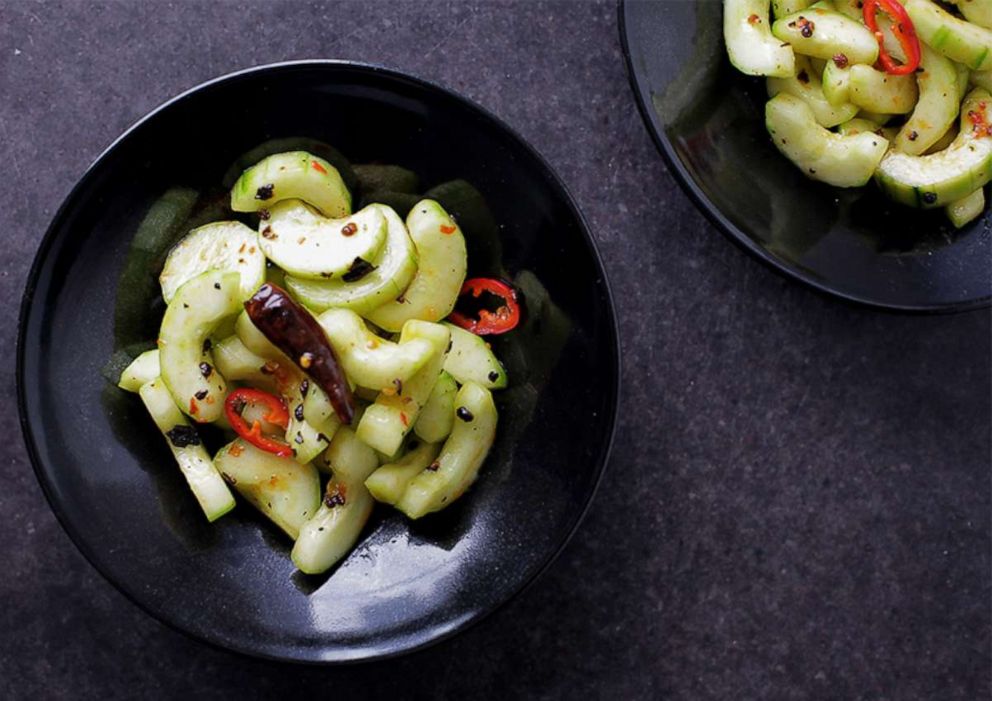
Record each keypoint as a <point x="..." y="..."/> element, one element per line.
<point x="334" y="529"/>
<point x="938" y="106"/>
<point x="393" y="414"/>
<point x="470" y="359"/>
<point x="850" y="8"/>
<point x="944" y="177"/>
<point x="783" y="8"/>
<point x="976" y="11"/>
<point x="844" y="161"/>
<point x="388" y="483"/>
<point x="294" y="175"/>
<point x="750" y="45"/>
<point x="374" y="178"/>
<point x="958" y="40"/>
<point x="226" y="245"/>
<point x="877" y="117"/>
<point x="395" y="269"/>
<point x="287" y="492"/>
<point x="307" y="245"/>
<point x="878" y="91"/>
<point x="964" y="76"/>
<point x="291" y="143"/>
<point x="308" y="440"/>
<point x="438" y="415"/>
<point x="347" y="457"/>
<point x="187" y="365"/>
<point x="434" y="289"/>
<point x="141" y="371"/>
<point x="203" y="478"/>
<point x="982" y="79"/>
<point x="967" y="208"/>
<point x="367" y="359"/>
<point x="825" y="33"/>
<point x="836" y="84"/>
<point x="857" y="126"/>
<point x="807" y="87"/>
<point x="460" y="458"/>
<point x="236" y="363"/>
<point x="317" y="406"/>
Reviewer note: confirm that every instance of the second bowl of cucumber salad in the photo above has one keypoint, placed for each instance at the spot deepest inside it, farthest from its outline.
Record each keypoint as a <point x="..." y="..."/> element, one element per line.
<point x="318" y="362"/>
<point x="845" y="142"/>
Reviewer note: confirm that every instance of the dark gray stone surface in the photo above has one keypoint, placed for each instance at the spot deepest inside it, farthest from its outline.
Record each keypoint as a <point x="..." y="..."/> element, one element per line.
<point x="798" y="504"/>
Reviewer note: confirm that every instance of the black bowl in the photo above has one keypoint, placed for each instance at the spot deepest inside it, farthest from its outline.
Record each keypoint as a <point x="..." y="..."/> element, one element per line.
<point x="108" y="474"/>
<point x="708" y="121"/>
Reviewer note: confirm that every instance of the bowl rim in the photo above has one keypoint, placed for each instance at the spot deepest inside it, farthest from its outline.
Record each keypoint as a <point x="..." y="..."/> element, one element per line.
<point x="416" y="642"/>
<point x="731" y="231"/>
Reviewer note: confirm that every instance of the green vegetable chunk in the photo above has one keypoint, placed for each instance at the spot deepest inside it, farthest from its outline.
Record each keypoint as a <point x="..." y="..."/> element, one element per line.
<point x="388" y="483"/>
<point x="203" y="478"/>
<point x="295" y="175"/>
<point x="825" y="33"/>
<point x="226" y="245"/>
<point x="751" y="47"/>
<point x="287" y="492"/>
<point x="461" y="457"/>
<point x="958" y="40"/>
<point x="187" y="365"/>
<point x="438" y="414"/>
<point x="141" y="371"/>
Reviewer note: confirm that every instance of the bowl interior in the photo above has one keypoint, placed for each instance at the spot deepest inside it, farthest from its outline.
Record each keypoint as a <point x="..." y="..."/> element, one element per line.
<point x="708" y="120"/>
<point x="111" y="480"/>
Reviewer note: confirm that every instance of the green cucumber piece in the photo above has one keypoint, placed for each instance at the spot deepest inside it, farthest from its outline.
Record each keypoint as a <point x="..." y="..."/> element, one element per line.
<point x="826" y="33"/>
<point x="946" y="140"/>
<point x="470" y="359"/>
<point x="937" y="107"/>
<point x="294" y="175"/>
<point x="941" y="178"/>
<point x="958" y="40"/>
<point x="970" y="207"/>
<point x="879" y="118"/>
<point x="878" y="91"/>
<point x="308" y="245"/>
<point x="750" y="45"/>
<point x="374" y="178"/>
<point x="460" y="458"/>
<point x="291" y="143"/>
<point x="836" y="84"/>
<point x="433" y="291"/>
<point x="964" y="77"/>
<point x="390" y="418"/>
<point x="308" y="440"/>
<point x="844" y="161"/>
<point x="784" y="8"/>
<point x="141" y="371"/>
<point x="982" y="79"/>
<point x="976" y="11"/>
<point x="438" y="414"/>
<point x="335" y="528"/>
<point x="226" y="245"/>
<point x="187" y="365"/>
<point x="236" y="363"/>
<point x="287" y="492"/>
<point x="201" y="475"/>
<point x="394" y="270"/>
<point x="367" y="359"/>
<point x="807" y="87"/>
<point x="388" y="482"/>
<point x="467" y="206"/>
<point x="348" y="457"/>
<point x="850" y="8"/>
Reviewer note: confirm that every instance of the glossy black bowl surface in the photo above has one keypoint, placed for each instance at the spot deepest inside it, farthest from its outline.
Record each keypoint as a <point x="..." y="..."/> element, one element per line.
<point x="708" y="122"/>
<point x="108" y="474"/>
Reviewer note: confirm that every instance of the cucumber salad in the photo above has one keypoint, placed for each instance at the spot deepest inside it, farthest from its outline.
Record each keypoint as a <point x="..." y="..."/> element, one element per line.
<point x="340" y="355"/>
<point x="895" y="91"/>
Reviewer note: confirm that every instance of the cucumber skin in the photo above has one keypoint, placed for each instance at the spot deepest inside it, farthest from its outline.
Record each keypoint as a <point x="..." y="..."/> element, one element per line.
<point x="382" y="285"/>
<point x="937" y="107"/>
<point x="443" y="262"/>
<point x="471" y="360"/>
<point x="292" y="175"/>
<point x="843" y="35"/>
<point x="438" y="415"/>
<point x="141" y="371"/>
<point x="960" y="41"/>
<point x="751" y="47"/>
<point x="811" y="92"/>
<point x="206" y="483"/>
<point x="843" y="161"/>
<point x="460" y="458"/>
<point x="968" y="208"/>
<point x="941" y="190"/>
<point x="181" y="343"/>
<point x="389" y="481"/>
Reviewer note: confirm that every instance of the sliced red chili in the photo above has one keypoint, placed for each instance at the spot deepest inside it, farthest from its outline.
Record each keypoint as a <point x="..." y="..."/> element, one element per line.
<point x="319" y="168"/>
<point x="902" y="28"/>
<point x="505" y="318"/>
<point x="278" y="414"/>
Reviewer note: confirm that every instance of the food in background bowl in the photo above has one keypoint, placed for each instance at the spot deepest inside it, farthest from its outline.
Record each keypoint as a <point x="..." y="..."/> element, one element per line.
<point x="872" y="89"/>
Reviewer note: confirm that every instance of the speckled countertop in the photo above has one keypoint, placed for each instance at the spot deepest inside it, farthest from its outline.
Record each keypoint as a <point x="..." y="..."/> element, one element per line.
<point x="798" y="504"/>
